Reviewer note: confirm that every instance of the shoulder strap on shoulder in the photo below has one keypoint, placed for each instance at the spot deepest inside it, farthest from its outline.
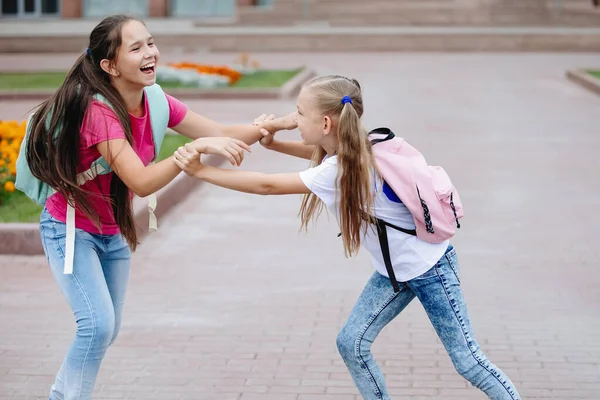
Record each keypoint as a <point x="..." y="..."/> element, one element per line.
<point x="159" y="113"/>
<point x="100" y="165"/>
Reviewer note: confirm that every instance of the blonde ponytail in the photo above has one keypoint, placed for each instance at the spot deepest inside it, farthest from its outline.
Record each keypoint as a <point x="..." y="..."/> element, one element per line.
<point x="341" y="99"/>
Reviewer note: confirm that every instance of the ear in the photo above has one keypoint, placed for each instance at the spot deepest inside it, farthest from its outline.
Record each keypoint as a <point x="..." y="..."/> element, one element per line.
<point x="109" y="68"/>
<point x="326" y="125"/>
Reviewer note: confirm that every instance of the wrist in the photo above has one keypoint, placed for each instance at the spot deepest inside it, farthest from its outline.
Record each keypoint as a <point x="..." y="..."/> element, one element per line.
<point x="200" y="173"/>
<point x="270" y="145"/>
<point x="271" y="125"/>
<point x="199" y="145"/>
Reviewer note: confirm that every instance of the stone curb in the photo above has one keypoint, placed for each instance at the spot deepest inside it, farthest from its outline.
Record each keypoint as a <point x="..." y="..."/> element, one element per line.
<point x="24" y="238"/>
<point x="288" y="89"/>
<point x="292" y="87"/>
<point x="583" y="78"/>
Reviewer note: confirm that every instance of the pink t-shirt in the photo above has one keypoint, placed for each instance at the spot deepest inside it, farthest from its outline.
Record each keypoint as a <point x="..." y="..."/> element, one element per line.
<point x="101" y="124"/>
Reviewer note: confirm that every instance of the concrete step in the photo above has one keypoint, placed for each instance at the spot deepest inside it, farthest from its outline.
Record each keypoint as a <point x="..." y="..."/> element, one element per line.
<point x="323" y="38"/>
<point x="427" y="12"/>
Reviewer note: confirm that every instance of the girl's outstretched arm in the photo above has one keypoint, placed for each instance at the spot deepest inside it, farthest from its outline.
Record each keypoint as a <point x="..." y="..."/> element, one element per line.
<point x="296" y="149"/>
<point x="195" y="126"/>
<point x="188" y="159"/>
<point x="144" y="180"/>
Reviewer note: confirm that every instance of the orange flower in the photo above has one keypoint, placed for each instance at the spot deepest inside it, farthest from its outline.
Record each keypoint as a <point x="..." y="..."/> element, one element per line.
<point x="11" y="138"/>
<point x="231" y="74"/>
<point x="9" y="186"/>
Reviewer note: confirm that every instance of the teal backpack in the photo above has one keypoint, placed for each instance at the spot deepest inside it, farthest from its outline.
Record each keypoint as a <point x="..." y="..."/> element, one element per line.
<point x="39" y="191"/>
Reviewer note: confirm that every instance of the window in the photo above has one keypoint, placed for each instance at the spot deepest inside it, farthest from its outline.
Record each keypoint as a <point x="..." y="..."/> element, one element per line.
<point x="29" y="8"/>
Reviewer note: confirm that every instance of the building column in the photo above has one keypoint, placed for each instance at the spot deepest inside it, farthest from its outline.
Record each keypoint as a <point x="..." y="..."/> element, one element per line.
<point x="71" y="8"/>
<point x="158" y="8"/>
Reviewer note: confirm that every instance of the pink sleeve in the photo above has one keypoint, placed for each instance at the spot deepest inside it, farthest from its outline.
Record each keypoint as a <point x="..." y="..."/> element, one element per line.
<point x="177" y="111"/>
<point x="100" y="124"/>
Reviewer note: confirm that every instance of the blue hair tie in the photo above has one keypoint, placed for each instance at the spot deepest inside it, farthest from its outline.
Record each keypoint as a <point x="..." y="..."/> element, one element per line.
<point x="88" y="52"/>
<point x="346" y="99"/>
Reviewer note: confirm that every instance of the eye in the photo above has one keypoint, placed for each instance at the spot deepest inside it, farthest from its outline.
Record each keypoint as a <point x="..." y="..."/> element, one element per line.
<point x="151" y="44"/>
<point x="135" y="49"/>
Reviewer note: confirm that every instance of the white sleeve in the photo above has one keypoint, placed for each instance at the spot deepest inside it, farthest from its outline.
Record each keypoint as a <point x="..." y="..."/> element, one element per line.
<point x="321" y="180"/>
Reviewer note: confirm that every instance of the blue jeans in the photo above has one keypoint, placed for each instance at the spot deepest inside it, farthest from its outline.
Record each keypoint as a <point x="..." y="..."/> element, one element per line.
<point x="95" y="292"/>
<point x="439" y="292"/>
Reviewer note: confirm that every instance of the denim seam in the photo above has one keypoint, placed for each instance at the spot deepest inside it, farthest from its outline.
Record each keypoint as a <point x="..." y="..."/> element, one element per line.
<point x="57" y="242"/>
<point x="44" y="243"/>
<point x="458" y="318"/>
<point x="362" y="334"/>
<point x="452" y="266"/>
<point x="87" y="353"/>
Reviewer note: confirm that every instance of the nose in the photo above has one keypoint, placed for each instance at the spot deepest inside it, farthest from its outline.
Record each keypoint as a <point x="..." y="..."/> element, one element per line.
<point x="149" y="52"/>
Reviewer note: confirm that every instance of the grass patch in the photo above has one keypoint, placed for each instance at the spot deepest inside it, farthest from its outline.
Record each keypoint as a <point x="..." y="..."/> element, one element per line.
<point x="52" y="80"/>
<point x="170" y="144"/>
<point x="595" y="74"/>
<point x="267" y="78"/>
<point x="17" y="207"/>
<point x="42" y="80"/>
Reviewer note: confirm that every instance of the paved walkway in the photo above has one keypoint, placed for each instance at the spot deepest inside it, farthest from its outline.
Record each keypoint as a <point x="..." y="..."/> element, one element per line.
<point x="228" y="301"/>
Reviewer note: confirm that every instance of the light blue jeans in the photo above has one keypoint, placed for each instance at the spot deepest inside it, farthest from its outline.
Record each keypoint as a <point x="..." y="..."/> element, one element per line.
<point x="439" y="292"/>
<point x="95" y="292"/>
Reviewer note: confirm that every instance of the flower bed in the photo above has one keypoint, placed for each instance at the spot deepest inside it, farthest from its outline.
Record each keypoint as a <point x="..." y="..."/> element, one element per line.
<point x="198" y="75"/>
<point x="243" y="72"/>
<point x="15" y="206"/>
<point x="11" y="136"/>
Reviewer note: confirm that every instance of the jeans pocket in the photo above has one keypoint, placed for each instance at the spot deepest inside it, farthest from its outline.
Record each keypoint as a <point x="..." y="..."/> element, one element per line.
<point x="54" y="234"/>
<point x="430" y="273"/>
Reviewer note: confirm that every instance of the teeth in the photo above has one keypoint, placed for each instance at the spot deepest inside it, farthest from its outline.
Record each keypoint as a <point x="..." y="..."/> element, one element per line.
<point x="148" y="66"/>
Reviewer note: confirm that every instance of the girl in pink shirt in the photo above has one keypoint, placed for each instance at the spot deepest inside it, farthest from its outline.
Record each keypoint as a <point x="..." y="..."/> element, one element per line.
<point x="71" y="130"/>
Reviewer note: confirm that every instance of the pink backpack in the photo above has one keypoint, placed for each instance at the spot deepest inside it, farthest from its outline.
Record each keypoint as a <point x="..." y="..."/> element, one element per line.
<point x="425" y="190"/>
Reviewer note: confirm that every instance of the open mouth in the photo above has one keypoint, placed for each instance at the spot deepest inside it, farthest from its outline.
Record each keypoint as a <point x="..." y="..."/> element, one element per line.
<point x="148" y="69"/>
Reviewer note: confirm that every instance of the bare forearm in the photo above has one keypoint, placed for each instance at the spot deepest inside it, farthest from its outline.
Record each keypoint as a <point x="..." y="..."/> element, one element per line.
<point x="249" y="134"/>
<point x="195" y="126"/>
<point x="155" y="176"/>
<point x="296" y="149"/>
<point x="242" y="181"/>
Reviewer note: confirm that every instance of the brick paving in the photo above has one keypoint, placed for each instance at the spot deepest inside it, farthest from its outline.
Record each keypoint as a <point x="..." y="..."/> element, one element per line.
<point x="228" y="301"/>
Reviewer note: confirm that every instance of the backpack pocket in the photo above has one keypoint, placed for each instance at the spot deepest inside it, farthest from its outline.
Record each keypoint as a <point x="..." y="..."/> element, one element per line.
<point x="446" y="194"/>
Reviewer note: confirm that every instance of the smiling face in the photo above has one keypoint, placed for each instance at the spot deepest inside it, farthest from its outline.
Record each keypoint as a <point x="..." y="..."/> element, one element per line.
<point x="135" y="62"/>
<point x="311" y="122"/>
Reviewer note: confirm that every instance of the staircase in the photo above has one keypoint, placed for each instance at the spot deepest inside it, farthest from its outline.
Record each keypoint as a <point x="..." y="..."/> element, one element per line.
<point x="424" y="13"/>
<point x="371" y="26"/>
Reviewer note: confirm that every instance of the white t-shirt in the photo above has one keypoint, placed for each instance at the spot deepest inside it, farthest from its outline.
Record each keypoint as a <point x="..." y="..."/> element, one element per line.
<point x="410" y="255"/>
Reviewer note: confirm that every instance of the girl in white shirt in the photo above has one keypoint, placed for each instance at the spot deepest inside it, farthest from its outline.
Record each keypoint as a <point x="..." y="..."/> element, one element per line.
<point x="343" y="177"/>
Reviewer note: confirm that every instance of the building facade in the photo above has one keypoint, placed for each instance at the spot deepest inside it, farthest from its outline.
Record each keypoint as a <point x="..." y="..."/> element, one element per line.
<point x="143" y="8"/>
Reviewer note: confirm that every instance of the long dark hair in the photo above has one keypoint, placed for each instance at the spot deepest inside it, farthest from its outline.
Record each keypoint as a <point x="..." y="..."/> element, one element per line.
<point x="53" y="147"/>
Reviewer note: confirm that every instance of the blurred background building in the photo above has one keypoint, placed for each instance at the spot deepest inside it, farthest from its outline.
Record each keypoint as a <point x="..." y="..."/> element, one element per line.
<point x="335" y="12"/>
<point x="313" y="25"/>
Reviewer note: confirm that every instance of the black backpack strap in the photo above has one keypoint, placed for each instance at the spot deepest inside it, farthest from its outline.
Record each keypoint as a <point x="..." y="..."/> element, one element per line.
<point x="382" y="131"/>
<point x="385" y="251"/>
<point x="384" y="244"/>
<point x="412" y="232"/>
